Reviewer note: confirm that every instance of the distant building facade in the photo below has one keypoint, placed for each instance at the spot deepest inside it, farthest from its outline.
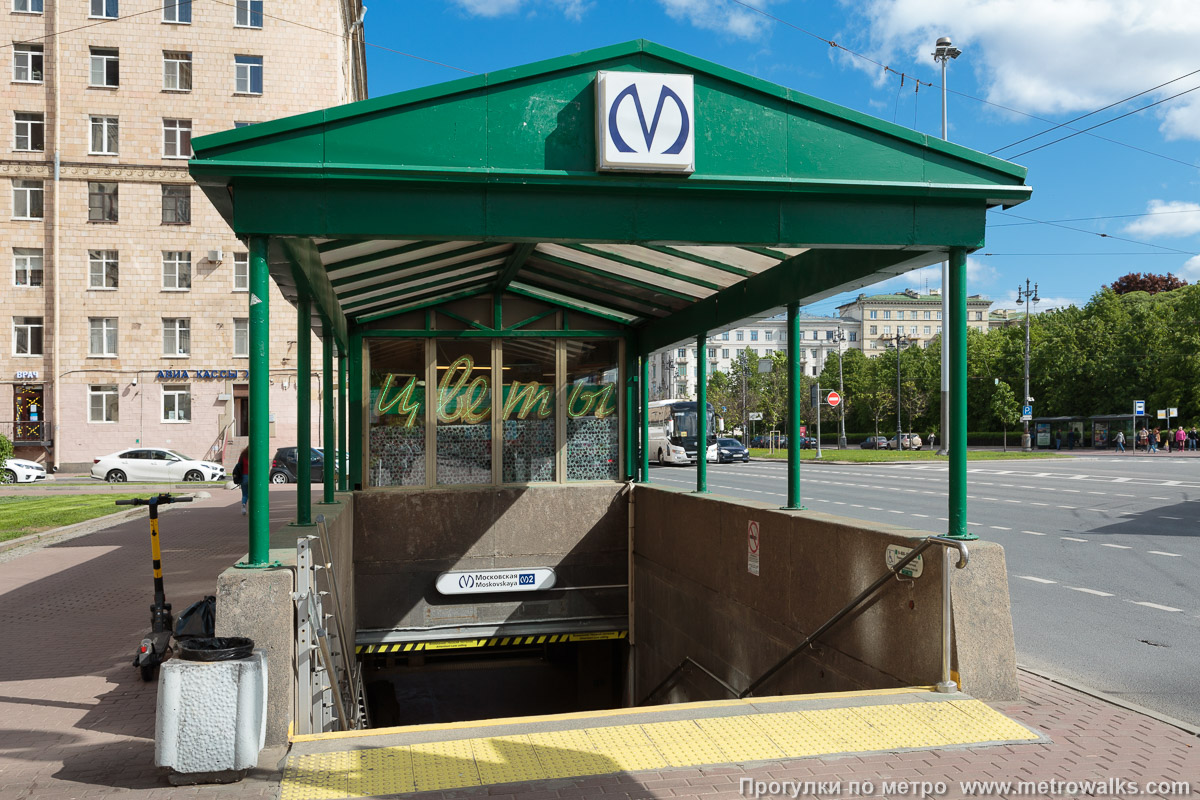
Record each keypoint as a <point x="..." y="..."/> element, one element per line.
<point x="915" y="317"/>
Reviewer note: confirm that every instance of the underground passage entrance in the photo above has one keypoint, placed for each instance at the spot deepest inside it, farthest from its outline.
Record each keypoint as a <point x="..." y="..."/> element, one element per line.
<point x="548" y="675"/>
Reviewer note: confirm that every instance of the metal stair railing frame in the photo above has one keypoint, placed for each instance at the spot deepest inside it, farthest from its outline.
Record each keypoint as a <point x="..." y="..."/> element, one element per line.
<point x="946" y="685"/>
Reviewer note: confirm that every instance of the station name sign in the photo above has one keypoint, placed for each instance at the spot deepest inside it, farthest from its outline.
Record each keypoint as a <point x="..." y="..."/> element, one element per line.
<point x="486" y="581"/>
<point x="646" y="122"/>
<point x="202" y="374"/>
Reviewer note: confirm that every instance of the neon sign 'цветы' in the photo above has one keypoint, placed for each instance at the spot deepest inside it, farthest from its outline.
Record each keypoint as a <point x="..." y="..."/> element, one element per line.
<point x="461" y="399"/>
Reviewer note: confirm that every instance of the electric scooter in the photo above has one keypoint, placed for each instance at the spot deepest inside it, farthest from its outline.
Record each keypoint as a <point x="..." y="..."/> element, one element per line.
<point x="157" y="645"/>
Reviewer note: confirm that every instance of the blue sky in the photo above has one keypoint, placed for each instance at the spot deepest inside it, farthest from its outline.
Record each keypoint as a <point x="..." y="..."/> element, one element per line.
<point x="1027" y="65"/>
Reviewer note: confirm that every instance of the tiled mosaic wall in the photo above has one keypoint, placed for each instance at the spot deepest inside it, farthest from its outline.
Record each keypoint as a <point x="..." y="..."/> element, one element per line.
<point x="593" y="448"/>
<point x="397" y="456"/>
<point x="528" y="450"/>
<point x="464" y="453"/>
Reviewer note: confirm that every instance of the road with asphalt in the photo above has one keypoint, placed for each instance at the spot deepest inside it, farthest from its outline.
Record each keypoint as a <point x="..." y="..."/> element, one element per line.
<point x="1103" y="553"/>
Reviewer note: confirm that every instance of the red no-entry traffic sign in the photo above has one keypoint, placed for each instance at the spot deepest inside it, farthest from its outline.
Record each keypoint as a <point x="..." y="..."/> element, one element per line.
<point x="833" y="398"/>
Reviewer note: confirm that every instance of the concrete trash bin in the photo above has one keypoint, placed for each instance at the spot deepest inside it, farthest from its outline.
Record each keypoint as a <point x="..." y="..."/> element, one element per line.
<point x="212" y="718"/>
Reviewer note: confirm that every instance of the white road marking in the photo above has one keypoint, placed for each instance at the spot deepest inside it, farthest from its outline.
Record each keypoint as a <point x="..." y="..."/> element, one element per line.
<point x="1117" y="546"/>
<point x="1161" y="553"/>
<point x="1039" y="504"/>
<point x="1090" y="591"/>
<point x="894" y="511"/>
<point x="1176" y="518"/>
<point x="1072" y="539"/>
<point x="1160" y="498"/>
<point x="1033" y="533"/>
<point x="926" y="516"/>
<point x="999" y="528"/>
<point x="974" y="523"/>
<point x="1155" y="605"/>
<point x="1070" y="508"/>
<point x="1035" y="580"/>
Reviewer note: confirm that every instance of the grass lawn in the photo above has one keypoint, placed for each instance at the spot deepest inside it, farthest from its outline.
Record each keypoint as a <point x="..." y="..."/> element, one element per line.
<point x="20" y="516"/>
<point x="858" y="454"/>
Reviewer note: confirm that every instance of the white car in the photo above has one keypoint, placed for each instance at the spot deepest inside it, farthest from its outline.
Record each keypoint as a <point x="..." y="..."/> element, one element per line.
<point x="153" y="464"/>
<point x="18" y="470"/>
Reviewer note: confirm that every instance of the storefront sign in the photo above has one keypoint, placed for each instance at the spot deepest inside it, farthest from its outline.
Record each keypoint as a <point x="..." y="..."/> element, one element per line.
<point x="203" y="374"/>
<point x="530" y="579"/>
<point x="646" y="122"/>
<point x="26" y="375"/>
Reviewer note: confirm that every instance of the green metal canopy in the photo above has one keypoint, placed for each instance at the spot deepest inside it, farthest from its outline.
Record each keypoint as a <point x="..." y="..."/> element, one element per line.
<point x="490" y="183"/>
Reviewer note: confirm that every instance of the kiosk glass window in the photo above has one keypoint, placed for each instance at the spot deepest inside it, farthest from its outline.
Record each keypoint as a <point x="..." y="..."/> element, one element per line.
<point x="527" y="442"/>
<point x="464" y="412"/>
<point x="593" y="424"/>
<point x="396" y="438"/>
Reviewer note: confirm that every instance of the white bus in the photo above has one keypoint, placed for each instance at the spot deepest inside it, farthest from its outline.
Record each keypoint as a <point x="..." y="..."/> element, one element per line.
<point x="673" y="432"/>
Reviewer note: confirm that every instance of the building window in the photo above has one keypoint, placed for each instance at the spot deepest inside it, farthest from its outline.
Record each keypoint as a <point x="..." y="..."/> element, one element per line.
<point x="767" y="335"/>
<point x="177" y="270"/>
<point x="176" y="204"/>
<point x="248" y="74"/>
<point x="814" y="355"/>
<point x="829" y="335"/>
<point x="724" y="352"/>
<point x="177" y="138"/>
<point x="900" y="330"/>
<point x="874" y="330"/>
<point x="887" y="315"/>
<point x="106" y="69"/>
<point x="725" y="336"/>
<point x="102" y="202"/>
<point x="103" y="403"/>
<point x="177" y="11"/>
<point x="783" y="336"/>
<point x="740" y="335"/>
<point x="28" y="199"/>
<point x="874" y="344"/>
<point x="712" y="352"/>
<point x="939" y="328"/>
<point x="754" y="336"/>
<point x="104" y="8"/>
<point x="873" y="314"/>
<point x="926" y="315"/>
<point x="28" y="6"/>
<point x="854" y="336"/>
<point x="27" y="266"/>
<point x="104" y="136"/>
<point x="30" y="131"/>
<point x="102" y="336"/>
<point x="682" y="352"/>
<point x="27" y="63"/>
<point x="249" y="14"/>
<point x="887" y="330"/>
<point x="177" y="337"/>
<point x="177" y="402"/>
<point x="978" y="316"/>
<point x="27" y="336"/>
<point x="177" y="71"/>
<point x="926" y="330"/>
<point x="815" y="336"/>
<point x="939" y="316"/>
<point x="241" y="338"/>
<point x="241" y="272"/>
<point x="102" y="269"/>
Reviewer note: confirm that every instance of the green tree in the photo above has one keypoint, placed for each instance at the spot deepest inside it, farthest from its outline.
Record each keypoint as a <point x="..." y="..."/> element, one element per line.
<point x="1005" y="409"/>
<point x="6" y="448"/>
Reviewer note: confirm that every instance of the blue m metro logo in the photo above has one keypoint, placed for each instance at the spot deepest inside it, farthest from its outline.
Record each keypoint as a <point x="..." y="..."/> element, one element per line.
<point x="648" y="132"/>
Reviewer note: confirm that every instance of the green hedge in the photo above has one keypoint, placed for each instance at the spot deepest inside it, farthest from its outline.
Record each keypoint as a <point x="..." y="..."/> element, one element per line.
<point x="974" y="438"/>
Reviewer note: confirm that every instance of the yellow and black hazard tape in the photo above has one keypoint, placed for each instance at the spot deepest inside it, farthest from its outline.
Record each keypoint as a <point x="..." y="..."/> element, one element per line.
<point x="495" y="641"/>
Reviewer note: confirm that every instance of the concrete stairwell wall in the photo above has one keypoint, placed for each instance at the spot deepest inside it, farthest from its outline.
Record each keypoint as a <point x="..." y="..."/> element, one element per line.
<point x="694" y="596"/>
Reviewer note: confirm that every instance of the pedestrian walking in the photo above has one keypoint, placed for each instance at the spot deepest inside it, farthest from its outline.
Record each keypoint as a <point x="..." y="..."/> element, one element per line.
<point x="1143" y="440"/>
<point x="1154" y="440"/>
<point x="241" y="476"/>
<point x="1180" y="438"/>
<point x="1193" y="436"/>
<point x="1058" y="440"/>
<point x="1120" y="440"/>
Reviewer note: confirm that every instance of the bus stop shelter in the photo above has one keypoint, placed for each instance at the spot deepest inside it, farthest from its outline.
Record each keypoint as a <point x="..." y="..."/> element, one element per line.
<point x="469" y="243"/>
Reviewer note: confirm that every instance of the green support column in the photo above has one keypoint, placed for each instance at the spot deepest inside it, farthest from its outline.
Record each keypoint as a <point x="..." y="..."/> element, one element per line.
<point x="644" y="379"/>
<point x="701" y="414"/>
<point x="303" y="410"/>
<point x="355" y="394"/>
<point x="332" y="459"/>
<point x="958" y="394"/>
<point x="630" y="427"/>
<point x="794" y="439"/>
<point x="260" y="406"/>
<point x="341" y="419"/>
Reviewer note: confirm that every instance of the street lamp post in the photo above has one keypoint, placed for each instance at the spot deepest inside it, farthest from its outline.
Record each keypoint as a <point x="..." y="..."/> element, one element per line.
<point x="943" y="52"/>
<point x="1027" y="296"/>
<point x="900" y="342"/>
<point x="841" y="341"/>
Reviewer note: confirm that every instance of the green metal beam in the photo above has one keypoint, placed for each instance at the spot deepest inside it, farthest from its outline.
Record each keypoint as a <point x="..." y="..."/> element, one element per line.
<point x="421" y="304"/>
<point x="957" y="327"/>
<point x="303" y="410"/>
<point x="333" y="462"/>
<point x="644" y="381"/>
<point x="402" y="282"/>
<point x="608" y="294"/>
<point x="390" y="270"/>
<point x="544" y="296"/>
<point x="701" y="413"/>
<point x="312" y="281"/>
<point x="612" y="276"/>
<point x="334" y="267"/>
<point x="341" y="420"/>
<point x="698" y="259"/>
<point x="358" y="431"/>
<point x="512" y="265"/>
<point x="354" y="306"/>
<point x="809" y="276"/>
<point x="631" y="447"/>
<point x="630" y="262"/>
<point x="794" y="439"/>
<point x="260" y="405"/>
<point x="529" y="320"/>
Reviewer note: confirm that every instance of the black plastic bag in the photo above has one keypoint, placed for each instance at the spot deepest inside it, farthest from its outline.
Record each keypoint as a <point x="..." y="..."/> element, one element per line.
<point x="198" y="619"/>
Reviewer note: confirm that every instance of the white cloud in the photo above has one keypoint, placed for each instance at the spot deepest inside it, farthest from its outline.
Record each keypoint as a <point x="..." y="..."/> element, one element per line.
<point x="1172" y="218"/>
<point x="1190" y="269"/>
<point x="719" y="15"/>
<point x="574" y="9"/>
<point x="1051" y="57"/>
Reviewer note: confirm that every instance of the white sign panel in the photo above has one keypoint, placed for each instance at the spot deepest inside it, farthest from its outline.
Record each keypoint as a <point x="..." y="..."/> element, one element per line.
<point x="753" y="544"/>
<point x="646" y="122"/>
<point x="755" y="416"/>
<point x="1139" y="407"/>
<point x="895" y="554"/>
<point x="486" y="581"/>
<point x="1172" y="412"/>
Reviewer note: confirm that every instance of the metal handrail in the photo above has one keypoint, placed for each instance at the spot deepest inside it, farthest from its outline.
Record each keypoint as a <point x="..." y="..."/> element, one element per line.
<point x="945" y="685"/>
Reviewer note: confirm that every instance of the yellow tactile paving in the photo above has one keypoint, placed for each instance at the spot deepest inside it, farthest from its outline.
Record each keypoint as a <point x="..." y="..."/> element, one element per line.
<point x="683" y="743"/>
<point x="653" y="745"/>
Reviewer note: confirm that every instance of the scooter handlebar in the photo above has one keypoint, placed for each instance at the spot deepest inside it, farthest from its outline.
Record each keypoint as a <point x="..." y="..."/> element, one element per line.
<point x="162" y="498"/>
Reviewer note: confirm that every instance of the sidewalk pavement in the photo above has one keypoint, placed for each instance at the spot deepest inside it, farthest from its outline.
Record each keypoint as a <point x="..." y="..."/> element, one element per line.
<point x="77" y="722"/>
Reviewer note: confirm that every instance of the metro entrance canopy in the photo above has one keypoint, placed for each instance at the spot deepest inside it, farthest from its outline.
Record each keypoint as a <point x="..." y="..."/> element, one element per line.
<point x="665" y="208"/>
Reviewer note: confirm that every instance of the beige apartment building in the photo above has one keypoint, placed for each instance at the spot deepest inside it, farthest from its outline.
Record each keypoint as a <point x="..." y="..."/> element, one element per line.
<point x="913" y="316"/>
<point x="125" y="316"/>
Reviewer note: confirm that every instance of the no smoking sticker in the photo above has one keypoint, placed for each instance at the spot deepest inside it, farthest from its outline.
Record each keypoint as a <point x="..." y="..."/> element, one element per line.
<point x="753" y="545"/>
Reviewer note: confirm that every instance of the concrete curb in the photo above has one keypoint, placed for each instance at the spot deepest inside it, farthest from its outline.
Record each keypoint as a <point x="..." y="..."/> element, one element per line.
<point x="1186" y="727"/>
<point x="37" y="541"/>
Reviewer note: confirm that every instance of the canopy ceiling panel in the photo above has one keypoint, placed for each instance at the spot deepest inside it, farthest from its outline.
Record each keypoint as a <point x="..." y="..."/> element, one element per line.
<point x="491" y="184"/>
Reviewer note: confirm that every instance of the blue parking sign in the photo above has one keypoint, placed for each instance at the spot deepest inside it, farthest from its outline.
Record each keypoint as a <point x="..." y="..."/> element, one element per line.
<point x="1027" y="411"/>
